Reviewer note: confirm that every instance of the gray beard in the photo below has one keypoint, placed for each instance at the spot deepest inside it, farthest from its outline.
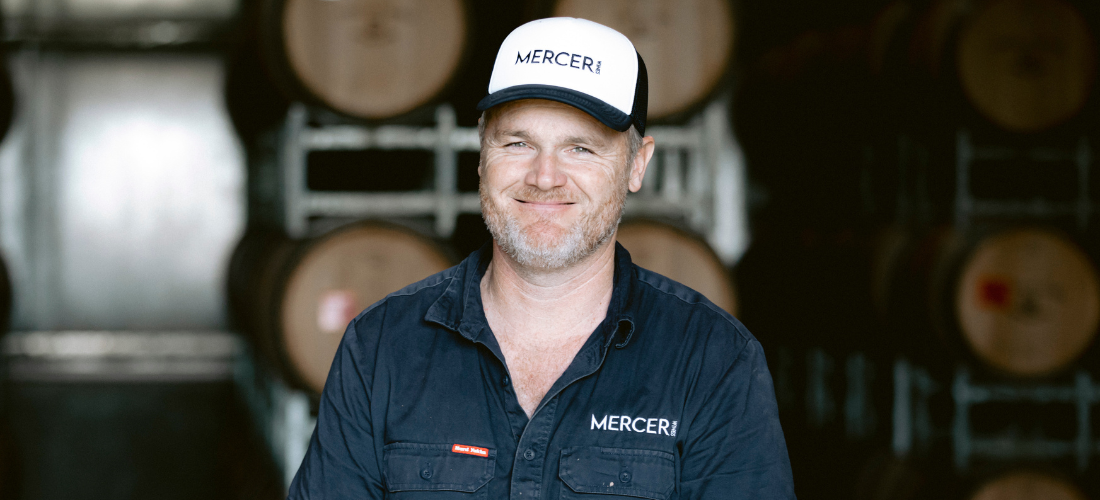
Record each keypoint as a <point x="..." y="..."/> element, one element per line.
<point x="581" y="240"/>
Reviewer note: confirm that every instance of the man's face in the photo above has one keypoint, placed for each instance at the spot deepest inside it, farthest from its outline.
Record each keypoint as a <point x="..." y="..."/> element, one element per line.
<point x="553" y="181"/>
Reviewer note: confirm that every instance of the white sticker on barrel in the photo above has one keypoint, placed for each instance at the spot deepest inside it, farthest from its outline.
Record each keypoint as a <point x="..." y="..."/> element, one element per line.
<point x="335" y="310"/>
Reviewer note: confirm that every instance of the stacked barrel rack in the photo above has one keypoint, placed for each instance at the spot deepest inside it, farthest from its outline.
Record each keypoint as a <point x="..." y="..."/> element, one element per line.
<point x="966" y="132"/>
<point x="913" y="385"/>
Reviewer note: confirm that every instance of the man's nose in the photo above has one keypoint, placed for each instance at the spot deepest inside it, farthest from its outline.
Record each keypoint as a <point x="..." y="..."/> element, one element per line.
<point x="546" y="173"/>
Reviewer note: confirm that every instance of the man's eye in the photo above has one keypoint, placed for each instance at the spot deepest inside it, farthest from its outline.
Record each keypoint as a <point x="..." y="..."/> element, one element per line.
<point x="580" y="149"/>
<point x="520" y="144"/>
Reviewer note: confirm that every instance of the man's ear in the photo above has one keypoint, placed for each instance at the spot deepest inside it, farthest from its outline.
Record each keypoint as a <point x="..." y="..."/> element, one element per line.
<point x="641" y="161"/>
<point x="481" y="139"/>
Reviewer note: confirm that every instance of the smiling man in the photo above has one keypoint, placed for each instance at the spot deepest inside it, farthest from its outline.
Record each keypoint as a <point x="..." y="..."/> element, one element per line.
<point x="546" y="365"/>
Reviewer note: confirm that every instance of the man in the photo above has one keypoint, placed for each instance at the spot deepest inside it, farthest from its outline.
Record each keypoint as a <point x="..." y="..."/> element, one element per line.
<point x="546" y="365"/>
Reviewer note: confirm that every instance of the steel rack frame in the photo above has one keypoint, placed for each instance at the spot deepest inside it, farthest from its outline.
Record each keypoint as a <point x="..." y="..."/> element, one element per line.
<point x="967" y="206"/>
<point x="913" y="386"/>
<point x="281" y="414"/>
<point x="912" y="424"/>
<point x="120" y="355"/>
<point x="693" y="176"/>
<point x="857" y="411"/>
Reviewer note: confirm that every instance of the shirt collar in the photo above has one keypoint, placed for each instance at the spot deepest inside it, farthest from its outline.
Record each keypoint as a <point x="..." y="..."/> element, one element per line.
<point x="460" y="308"/>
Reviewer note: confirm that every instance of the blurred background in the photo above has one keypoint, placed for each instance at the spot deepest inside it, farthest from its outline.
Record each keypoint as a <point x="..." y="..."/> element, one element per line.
<point x="895" y="196"/>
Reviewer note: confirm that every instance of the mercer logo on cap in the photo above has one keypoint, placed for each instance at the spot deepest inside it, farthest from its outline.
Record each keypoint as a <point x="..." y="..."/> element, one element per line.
<point x="561" y="58"/>
<point x="573" y="61"/>
<point x="470" y="450"/>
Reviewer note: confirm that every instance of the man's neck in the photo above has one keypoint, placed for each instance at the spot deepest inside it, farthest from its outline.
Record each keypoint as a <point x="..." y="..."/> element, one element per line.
<point x="537" y="306"/>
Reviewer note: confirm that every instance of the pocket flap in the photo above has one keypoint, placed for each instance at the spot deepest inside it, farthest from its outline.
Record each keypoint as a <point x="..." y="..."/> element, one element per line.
<point x="619" y="471"/>
<point x="427" y="467"/>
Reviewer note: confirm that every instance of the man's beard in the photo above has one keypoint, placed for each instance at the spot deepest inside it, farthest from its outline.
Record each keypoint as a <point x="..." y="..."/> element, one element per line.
<point x="532" y="246"/>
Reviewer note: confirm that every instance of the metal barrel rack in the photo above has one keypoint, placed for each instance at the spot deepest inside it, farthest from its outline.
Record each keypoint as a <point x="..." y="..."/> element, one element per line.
<point x="281" y="414"/>
<point x="967" y="206"/>
<point x="855" y="409"/>
<point x="912" y="426"/>
<point x="694" y="175"/>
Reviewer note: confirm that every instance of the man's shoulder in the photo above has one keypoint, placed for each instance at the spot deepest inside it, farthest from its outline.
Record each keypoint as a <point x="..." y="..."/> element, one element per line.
<point x="685" y="312"/>
<point x="414" y="300"/>
<point x="428" y="288"/>
<point x="671" y="294"/>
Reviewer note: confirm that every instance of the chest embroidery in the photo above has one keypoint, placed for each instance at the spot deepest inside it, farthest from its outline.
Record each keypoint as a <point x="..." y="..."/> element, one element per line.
<point x="643" y="425"/>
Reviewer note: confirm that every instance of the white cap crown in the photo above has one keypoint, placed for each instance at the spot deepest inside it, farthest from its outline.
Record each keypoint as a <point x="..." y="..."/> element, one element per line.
<point x="575" y="61"/>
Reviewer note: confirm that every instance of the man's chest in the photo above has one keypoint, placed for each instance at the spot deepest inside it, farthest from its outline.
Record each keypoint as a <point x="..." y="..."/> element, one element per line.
<point x="534" y="369"/>
<point x="591" y="433"/>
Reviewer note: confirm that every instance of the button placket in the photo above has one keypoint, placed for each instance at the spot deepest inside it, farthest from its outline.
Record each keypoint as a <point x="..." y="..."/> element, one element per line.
<point x="527" y="473"/>
<point x="499" y="372"/>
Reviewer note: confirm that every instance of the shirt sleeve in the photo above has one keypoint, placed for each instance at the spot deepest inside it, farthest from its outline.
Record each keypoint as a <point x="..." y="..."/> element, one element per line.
<point x="735" y="446"/>
<point x="342" y="461"/>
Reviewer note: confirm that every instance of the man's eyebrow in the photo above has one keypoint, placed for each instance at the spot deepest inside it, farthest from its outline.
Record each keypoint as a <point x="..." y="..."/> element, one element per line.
<point x="587" y="139"/>
<point x="516" y="133"/>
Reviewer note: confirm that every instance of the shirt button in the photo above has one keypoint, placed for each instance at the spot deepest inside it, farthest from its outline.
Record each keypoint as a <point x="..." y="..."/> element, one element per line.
<point x="505" y="380"/>
<point x="426" y="473"/>
<point x="624" y="477"/>
<point x="529" y="454"/>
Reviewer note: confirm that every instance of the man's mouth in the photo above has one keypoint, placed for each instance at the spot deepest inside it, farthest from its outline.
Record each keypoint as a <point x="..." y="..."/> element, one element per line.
<point x="534" y="202"/>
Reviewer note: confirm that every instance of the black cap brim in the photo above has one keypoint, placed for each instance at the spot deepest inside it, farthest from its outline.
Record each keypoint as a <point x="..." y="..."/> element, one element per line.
<point x="605" y="113"/>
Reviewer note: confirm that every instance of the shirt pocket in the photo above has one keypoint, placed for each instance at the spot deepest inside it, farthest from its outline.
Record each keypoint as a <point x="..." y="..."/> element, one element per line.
<point x="605" y="473"/>
<point x="435" y="472"/>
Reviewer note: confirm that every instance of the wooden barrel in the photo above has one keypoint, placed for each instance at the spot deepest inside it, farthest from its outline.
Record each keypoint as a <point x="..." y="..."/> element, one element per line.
<point x="682" y="256"/>
<point x="1026" y="64"/>
<point x="369" y="59"/>
<point x="1027" y="301"/>
<point x="253" y="267"/>
<point x="885" y="476"/>
<point x="7" y="101"/>
<point x="253" y="100"/>
<point x="5" y="298"/>
<point x="254" y="103"/>
<point x="932" y="28"/>
<point x="1027" y="485"/>
<point x="7" y="93"/>
<point x="687" y="46"/>
<point x="304" y="294"/>
<point x="1024" y="302"/>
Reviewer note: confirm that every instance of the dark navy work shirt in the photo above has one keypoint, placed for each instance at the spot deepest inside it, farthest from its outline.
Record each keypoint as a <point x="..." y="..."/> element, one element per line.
<point x="670" y="398"/>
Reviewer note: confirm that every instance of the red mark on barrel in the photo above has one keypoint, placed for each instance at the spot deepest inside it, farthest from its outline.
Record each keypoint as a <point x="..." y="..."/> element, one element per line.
<point x="994" y="293"/>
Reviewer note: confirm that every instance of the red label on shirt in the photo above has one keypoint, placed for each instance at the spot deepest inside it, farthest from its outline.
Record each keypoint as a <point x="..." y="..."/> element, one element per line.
<point x="470" y="450"/>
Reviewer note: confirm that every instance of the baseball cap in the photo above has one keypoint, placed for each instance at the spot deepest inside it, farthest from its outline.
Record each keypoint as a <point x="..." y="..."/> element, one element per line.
<point x="573" y="61"/>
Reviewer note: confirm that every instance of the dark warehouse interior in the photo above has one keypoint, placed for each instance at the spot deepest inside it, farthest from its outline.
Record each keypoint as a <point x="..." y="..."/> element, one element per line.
<point x="896" y="197"/>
